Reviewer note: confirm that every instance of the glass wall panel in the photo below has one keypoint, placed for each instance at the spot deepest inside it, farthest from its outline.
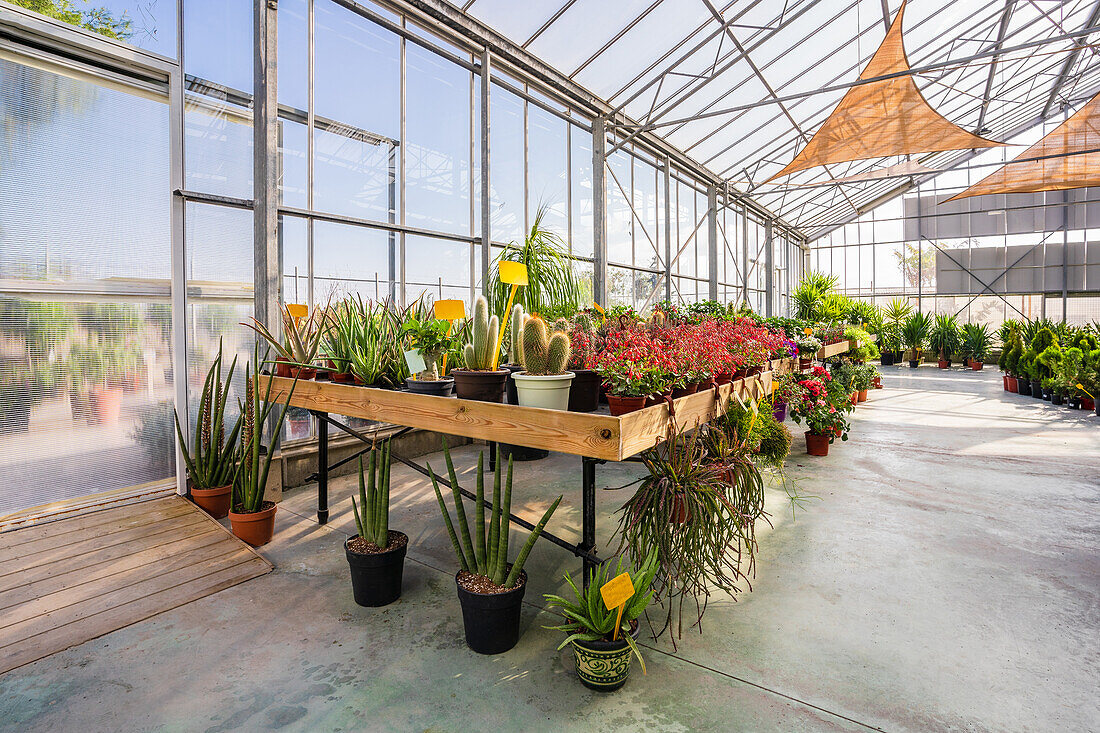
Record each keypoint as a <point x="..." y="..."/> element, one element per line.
<point x="507" y="154"/>
<point x="352" y="259"/>
<point x="145" y="24"/>
<point x="581" y="190"/>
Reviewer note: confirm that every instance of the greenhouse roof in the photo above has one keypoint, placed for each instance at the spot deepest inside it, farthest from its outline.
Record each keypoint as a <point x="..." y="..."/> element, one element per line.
<point x="740" y="86"/>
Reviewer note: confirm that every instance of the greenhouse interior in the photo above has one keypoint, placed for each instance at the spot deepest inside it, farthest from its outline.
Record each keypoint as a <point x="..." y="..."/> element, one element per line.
<point x="326" y="326"/>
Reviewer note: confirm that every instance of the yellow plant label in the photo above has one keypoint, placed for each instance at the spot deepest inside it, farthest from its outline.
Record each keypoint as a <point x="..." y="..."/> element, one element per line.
<point x="512" y="273"/>
<point x="599" y="310"/>
<point x="808" y="331"/>
<point x="450" y="310"/>
<point x="617" y="591"/>
<point x="297" y="310"/>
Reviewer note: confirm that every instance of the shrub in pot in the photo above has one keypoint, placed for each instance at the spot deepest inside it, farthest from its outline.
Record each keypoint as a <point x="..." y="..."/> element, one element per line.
<point x="490" y="589"/>
<point x="376" y="555"/>
<point x="822" y="414"/>
<point x="602" y="639"/>
<point x="975" y="344"/>
<point x="481" y="379"/>
<point x="429" y="336"/>
<point x="914" y="332"/>
<point x="211" y="458"/>
<point x="544" y="382"/>
<point x="251" y="518"/>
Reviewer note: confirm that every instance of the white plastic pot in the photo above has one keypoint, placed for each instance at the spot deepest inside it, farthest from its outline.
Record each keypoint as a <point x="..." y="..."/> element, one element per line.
<point x="550" y="392"/>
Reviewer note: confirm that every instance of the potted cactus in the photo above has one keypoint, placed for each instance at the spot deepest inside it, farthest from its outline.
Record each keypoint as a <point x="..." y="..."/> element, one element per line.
<point x="584" y="393"/>
<point x="377" y="554"/>
<point x="481" y="379"/>
<point x="544" y="382"/>
<point x="490" y="589"/>
<point x="515" y="350"/>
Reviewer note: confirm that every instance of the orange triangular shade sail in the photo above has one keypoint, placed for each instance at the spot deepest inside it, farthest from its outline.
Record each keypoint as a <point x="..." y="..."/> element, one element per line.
<point x="883" y="118"/>
<point x="1057" y="162"/>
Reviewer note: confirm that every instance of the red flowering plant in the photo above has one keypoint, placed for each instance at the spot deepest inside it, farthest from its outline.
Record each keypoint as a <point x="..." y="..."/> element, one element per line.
<point x="816" y="410"/>
<point x="634" y="364"/>
<point x="786" y="388"/>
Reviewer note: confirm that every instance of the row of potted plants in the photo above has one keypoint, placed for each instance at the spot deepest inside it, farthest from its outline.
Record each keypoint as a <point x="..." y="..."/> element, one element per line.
<point x="1060" y="367"/>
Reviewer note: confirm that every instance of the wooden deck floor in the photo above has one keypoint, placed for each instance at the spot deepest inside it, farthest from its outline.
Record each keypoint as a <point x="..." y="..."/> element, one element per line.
<point x="69" y="581"/>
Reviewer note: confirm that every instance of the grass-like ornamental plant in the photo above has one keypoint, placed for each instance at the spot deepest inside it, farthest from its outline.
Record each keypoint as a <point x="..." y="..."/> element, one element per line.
<point x="372" y="513"/>
<point x="975" y="341"/>
<point x="544" y="353"/>
<point x="914" y="333"/>
<point x="588" y="619"/>
<point x="944" y="338"/>
<point x="483" y="338"/>
<point x="485" y="552"/>
<point x="255" y="459"/>
<point x="211" y="458"/>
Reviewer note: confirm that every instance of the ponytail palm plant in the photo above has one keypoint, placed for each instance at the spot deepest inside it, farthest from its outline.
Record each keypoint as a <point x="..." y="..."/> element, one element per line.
<point x="552" y="288"/>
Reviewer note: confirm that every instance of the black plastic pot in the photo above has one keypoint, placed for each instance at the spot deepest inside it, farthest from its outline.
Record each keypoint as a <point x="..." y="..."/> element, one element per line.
<point x="1037" y="389"/>
<point x="376" y="579"/>
<point x="510" y="387"/>
<point x="492" y="620"/>
<point x="1047" y="393"/>
<point x="1074" y="403"/>
<point x="437" y="387"/>
<point x="1096" y="407"/>
<point x="914" y="363"/>
<point x="886" y="359"/>
<point x="481" y="386"/>
<point x="1057" y="398"/>
<point x="1023" y="387"/>
<point x="584" y="393"/>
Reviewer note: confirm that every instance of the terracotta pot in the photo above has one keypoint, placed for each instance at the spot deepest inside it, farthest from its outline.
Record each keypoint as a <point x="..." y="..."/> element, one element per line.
<point x="685" y="391"/>
<point x="106" y="405"/>
<point x="817" y="445"/>
<point x="740" y="374"/>
<point x="943" y="363"/>
<point x="255" y="528"/>
<point x="657" y="399"/>
<point x="753" y="371"/>
<point x="1004" y="382"/>
<point x="863" y="395"/>
<point x="1087" y="403"/>
<point x="804" y="364"/>
<point x="723" y="378"/>
<point x="1011" y="382"/>
<point x="854" y="398"/>
<point x="622" y="405"/>
<point x="487" y="386"/>
<point x="214" y="502"/>
<point x="976" y="366"/>
<point x="282" y="369"/>
<point x="343" y="377"/>
<point x="303" y="373"/>
<point x="706" y="384"/>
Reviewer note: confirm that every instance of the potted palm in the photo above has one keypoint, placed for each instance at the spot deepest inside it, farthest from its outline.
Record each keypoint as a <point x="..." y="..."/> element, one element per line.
<point x="481" y="379"/>
<point x="429" y="338"/>
<point x="914" y="333"/>
<point x="376" y="554"/>
<point x="210" y="456"/>
<point x="975" y="344"/>
<point x="603" y="640"/>
<point x="296" y="353"/>
<point x="251" y="518"/>
<point x="544" y="382"/>
<point x="490" y="589"/>
<point x="943" y="339"/>
<point x="893" y="317"/>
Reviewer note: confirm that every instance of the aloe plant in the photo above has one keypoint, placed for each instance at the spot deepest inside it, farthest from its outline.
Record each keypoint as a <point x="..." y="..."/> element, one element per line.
<point x="301" y="336"/>
<point x="486" y="551"/>
<point x="211" y="456"/>
<point x="373" y="519"/>
<point x="255" y="459"/>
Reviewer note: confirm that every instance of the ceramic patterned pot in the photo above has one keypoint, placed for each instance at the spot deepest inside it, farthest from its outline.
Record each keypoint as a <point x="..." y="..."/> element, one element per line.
<point x="603" y="666"/>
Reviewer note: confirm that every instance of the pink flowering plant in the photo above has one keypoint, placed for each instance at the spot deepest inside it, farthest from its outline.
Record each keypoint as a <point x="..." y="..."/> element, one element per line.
<point x="815" y="409"/>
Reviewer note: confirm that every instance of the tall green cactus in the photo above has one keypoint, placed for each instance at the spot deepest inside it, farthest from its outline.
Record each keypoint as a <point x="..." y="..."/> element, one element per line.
<point x="373" y="520"/>
<point x="544" y="354"/>
<point x="486" y="555"/>
<point x="483" y="338"/>
<point x="515" y="334"/>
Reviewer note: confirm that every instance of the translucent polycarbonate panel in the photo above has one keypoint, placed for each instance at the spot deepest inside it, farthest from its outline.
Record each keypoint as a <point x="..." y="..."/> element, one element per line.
<point x="352" y="259"/>
<point x="506" y="165"/>
<point x="584" y="29"/>
<point x="648" y="240"/>
<point x="354" y="177"/>
<point x="620" y="286"/>
<point x="83" y="180"/>
<point x="218" y="146"/>
<point x="548" y="176"/>
<point x="293" y="164"/>
<point x="515" y="20"/>
<point x="294" y="241"/>
<point x="218" y="42"/>
<point x="147" y="25"/>
<point x="219" y="249"/>
<point x="437" y="156"/>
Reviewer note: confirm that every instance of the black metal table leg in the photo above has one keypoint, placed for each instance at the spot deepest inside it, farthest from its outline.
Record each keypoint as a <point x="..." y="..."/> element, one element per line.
<point x="588" y="516"/>
<point x="492" y="455"/>
<point x="322" y="468"/>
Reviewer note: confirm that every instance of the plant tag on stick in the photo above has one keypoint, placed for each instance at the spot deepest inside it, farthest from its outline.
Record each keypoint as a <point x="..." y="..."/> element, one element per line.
<point x="415" y="362"/>
<point x="512" y="273"/>
<point x="297" y="311"/>
<point x="449" y="310"/>
<point x="616" y="592"/>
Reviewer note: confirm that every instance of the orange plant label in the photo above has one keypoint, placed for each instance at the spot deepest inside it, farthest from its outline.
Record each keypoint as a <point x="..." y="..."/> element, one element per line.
<point x="617" y="591"/>
<point x="449" y="310"/>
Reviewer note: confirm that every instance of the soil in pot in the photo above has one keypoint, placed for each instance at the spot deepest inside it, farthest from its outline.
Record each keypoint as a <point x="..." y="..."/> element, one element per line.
<point x="376" y="572"/>
<point x="620" y="405"/>
<point x="487" y="386"/>
<point x="817" y="445"/>
<point x="584" y="394"/>
<point x="215" y="501"/>
<point x="490" y="614"/>
<point x="437" y="387"/>
<point x="604" y="665"/>
<point x="255" y="528"/>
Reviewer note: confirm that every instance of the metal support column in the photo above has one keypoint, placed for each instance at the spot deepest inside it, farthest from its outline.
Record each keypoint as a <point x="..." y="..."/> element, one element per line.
<point x="769" y="270"/>
<point x="587" y="547"/>
<point x="322" y="468"/>
<point x="265" y="159"/>
<point x="712" y="242"/>
<point x="599" y="211"/>
<point x="486" y="207"/>
<point x="179" y="255"/>
<point x="668" y="229"/>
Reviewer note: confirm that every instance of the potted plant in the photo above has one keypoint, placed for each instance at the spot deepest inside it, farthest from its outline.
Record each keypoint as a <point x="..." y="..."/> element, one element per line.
<point x="251" y="518"/>
<point x="626" y="375"/>
<point x="943" y="339"/>
<point x="490" y="589"/>
<point x="785" y="391"/>
<point x="914" y="332"/>
<point x="824" y="420"/>
<point x="296" y="353"/>
<point x="515" y="351"/>
<point x="584" y="394"/>
<point x="210" y="456"/>
<point x="1023" y="372"/>
<point x="893" y="316"/>
<point x="481" y="380"/>
<point x="863" y="376"/>
<point x="975" y="344"/>
<point x="544" y="382"/>
<point x="601" y="652"/>
<point x="376" y="555"/>
<point x="429" y="338"/>
<point x="808" y="346"/>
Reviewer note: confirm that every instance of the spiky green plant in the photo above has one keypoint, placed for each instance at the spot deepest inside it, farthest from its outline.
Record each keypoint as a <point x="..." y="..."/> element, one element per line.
<point x="552" y="287"/>
<point x="975" y="341"/>
<point x="562" y="324"/>
<point x="944" y="339"/>
<point x="483" y="338"/>
<point x="544" y="353"/>
<point x="860" y="312"/>
<point x="486" y="553"/>
<point x="301" y="336"/>
<point x="373" y="521"/>
<point x="914" y="332"/>
<point x="588" y="619"/>
<point x="210" y="457"/>
<point x="255" y="458"/>
<point x="515" y="334"/>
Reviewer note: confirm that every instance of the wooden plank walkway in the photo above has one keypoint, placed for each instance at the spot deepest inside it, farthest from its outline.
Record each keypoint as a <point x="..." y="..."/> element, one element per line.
<point x="66" y="582"/>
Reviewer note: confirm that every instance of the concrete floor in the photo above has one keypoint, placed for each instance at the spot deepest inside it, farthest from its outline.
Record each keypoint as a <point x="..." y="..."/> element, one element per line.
<point x="946" y="577"/>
